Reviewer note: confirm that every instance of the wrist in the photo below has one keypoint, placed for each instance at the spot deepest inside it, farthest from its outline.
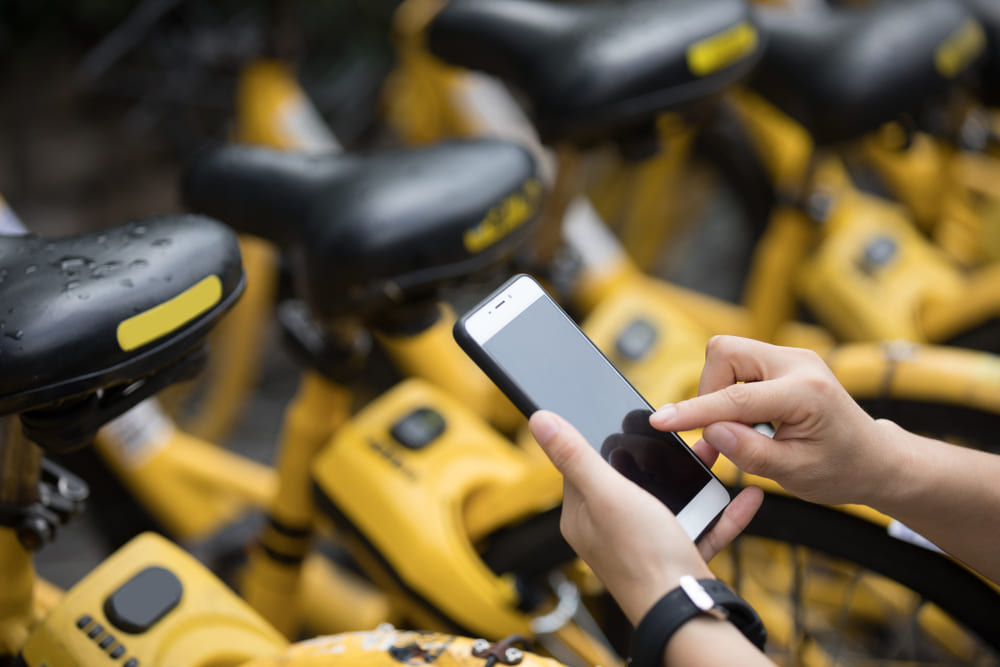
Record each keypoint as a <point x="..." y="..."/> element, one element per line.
<point x="912" y="472"/>
<point x="691" y="600"/>
<point x="709" y="641"/>
<point x="648" y="590"/>
<point x="892" y="453"/>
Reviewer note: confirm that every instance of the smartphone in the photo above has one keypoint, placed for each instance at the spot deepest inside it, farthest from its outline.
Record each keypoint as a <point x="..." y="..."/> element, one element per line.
<point x="531" y="348"/>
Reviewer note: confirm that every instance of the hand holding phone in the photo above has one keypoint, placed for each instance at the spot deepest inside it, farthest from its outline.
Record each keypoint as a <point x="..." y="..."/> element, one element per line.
<point x="541" y="359"/>
<point x="627" y="537"/>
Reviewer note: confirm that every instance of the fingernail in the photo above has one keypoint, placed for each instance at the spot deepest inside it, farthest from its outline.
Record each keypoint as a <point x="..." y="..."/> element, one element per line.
<point x="665" y="413"/>
<point x="721" y="437"/>
<point x="543" y="426"/>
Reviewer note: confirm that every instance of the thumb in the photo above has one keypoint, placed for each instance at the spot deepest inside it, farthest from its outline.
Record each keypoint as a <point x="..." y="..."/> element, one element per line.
<point x="748" y="449"/>
<point x="571" y="454"/>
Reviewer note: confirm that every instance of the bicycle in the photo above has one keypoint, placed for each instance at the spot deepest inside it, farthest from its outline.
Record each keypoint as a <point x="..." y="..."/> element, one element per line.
<point x="139" y="306"/>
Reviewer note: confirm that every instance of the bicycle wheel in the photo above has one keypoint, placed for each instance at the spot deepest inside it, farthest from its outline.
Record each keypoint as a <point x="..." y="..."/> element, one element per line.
<point x="832" y="587"/>
<point x="835" y="588"/>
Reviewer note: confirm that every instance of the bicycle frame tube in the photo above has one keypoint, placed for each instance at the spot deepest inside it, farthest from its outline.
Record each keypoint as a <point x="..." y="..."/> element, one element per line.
<point x="193" y="487"/>
<point x="273" y="110"/>
<point x="908" y="371"/>
<point x="17" y="596"/>
<point x="271" y="582"/>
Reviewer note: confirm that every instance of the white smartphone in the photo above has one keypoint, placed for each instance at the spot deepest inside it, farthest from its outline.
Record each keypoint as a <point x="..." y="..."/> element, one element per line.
<point x="527" y="344"/>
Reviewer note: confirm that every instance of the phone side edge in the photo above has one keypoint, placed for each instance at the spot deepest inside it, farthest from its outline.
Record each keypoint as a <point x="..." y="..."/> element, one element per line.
<point x="703" y="511"/>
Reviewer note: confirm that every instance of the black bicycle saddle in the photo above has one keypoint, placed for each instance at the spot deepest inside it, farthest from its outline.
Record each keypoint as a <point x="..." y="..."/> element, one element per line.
<point x="84" y="313"/>
<point x="366" y="232"/>
<point x="593" y="70"/>
<point x="842" y="73"/>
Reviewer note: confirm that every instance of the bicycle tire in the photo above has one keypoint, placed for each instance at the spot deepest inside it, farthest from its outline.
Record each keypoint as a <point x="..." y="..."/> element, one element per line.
<point x="972" y="427"/>
<point x="935" y="577"/>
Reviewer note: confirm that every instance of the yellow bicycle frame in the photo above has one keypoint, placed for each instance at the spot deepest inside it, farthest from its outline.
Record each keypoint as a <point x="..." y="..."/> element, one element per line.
<point x="953" y="193"/>
<point x="855" y="260"/>
<point x="412" y="516"/>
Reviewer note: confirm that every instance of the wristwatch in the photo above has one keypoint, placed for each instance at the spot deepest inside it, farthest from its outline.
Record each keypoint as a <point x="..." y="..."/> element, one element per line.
<point x="691" y="598"/>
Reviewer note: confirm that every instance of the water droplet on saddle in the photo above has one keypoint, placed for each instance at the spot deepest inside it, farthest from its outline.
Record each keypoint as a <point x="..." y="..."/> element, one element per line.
<point x="162" y="243"/>
<point x="102" y="238"/>
<point x="83" y="296"/>
<point x="72" y="265"/>
<point x="138" y="231"/>
<point x="138" y="264"/>
<point x="73" y="284"/>
<point x="16" y="335"/>
<point x="105" y="270"/>
<point x="127" y="283"/>
<point x="30" y="268"/>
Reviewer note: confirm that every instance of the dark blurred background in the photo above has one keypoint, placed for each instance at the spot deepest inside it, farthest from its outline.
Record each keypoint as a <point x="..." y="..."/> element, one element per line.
<point x="103" y="100"/>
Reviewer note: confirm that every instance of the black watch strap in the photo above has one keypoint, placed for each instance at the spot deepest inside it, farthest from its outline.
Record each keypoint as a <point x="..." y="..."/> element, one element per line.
<point x="692" y="598"/>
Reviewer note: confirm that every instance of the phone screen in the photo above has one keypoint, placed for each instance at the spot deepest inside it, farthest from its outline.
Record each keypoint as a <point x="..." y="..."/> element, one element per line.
<point x="556" y="367"/>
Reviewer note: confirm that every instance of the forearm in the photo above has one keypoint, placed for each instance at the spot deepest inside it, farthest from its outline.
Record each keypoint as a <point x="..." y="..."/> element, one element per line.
<point x="948" y="494"/>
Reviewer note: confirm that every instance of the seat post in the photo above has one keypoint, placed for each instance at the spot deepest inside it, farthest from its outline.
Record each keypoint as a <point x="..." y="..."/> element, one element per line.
<point x="20" y="463"/>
